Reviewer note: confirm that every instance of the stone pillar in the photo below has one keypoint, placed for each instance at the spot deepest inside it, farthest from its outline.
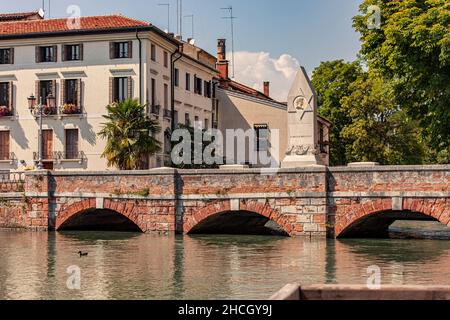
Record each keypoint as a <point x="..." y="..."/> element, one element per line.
<point x="302" y="124"/>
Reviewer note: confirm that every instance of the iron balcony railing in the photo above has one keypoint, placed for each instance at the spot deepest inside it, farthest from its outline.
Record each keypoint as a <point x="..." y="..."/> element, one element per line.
<point x="168" y="113"/>
<point x="156" y="109"/>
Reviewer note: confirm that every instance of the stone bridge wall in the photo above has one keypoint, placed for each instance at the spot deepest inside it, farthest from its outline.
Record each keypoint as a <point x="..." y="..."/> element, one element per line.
<point x="310" y="201"/>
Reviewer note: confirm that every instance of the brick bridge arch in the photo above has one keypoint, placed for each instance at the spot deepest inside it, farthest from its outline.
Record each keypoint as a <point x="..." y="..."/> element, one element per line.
<point x="349" y="216"/>
<point x="219" y="207"/>
<point x="125" y="208"/>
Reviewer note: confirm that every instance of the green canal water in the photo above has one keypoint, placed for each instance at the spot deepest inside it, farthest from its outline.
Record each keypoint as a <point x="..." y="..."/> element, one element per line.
<point x="139" y="266"/>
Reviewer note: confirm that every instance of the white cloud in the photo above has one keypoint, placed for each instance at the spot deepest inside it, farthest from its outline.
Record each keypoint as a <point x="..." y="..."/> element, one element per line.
<point x="253" y="68"/>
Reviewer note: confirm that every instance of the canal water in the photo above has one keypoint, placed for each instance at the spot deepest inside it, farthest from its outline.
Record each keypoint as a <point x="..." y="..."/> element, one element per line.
<point x="139" y="266"/>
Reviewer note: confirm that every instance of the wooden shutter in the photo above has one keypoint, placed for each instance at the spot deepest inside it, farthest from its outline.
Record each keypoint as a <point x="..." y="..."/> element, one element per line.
<point x="10" y="95"/>
<point x="79" y="86"/>
<point x="130" y="88"/>
<point x="130" y="49"/>
<point x="63" y="91"/>
<point x="47" y="145"/>
<point x="4" y="145"/>
<point x="37" y="87"/>
<point x="55" y="53"/>
<point x="111" y="90"/>
<point x="81" y="52"/>
<point x="64" y="52"/>
<point x="11" y="56"/>
<point x="111" y="50"/>
<point x="38" y="54"/>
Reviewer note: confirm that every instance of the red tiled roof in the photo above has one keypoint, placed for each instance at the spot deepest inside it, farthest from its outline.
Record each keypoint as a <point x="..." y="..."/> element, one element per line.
<point x="18" y="15"/>
<point x="63" y="25"/>
<point x="239" y="87"/>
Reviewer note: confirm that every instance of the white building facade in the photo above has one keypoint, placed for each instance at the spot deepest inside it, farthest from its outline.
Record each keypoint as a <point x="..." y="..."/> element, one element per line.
<point x="106" y="59"/>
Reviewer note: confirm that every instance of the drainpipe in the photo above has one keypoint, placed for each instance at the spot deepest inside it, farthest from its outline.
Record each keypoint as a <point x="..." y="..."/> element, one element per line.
<point x="140" y="66"/>
<point x="178" y="56"/>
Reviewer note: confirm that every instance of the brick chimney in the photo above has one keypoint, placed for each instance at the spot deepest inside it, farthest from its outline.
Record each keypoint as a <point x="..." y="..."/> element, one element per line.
<point x="222" y="62"/>
<point x="267" y="88"/>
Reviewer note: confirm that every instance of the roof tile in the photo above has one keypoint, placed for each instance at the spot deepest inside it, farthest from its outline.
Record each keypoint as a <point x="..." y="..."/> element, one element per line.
<point x="64" y="25"/>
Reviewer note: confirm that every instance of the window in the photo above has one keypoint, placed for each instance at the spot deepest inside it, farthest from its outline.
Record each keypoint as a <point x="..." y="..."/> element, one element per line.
<point x="175" y="117"/>
<point x="153" y="52"/>
<point x="4" y="94"/>
<point x="6" y="56"/>
<point x="208" y="89"/>
<point x="121" y="50"/>
<point x="262" y="137"/>
<point x="71" y="151"/>
<point x="187" y="119"/>
<point x="71" y="92"/>
<point x="198" y="82"/>
<point x="46" y="54"/>
<point x="46" y="88"/>
<point x="72" y="52"/>
<point x="121" y="89"/>
<point x="188" y="81"/>
<point x="4" y="145"/>
<point x="153" y="88"/>
<point x="197" y="123"/>
<point x="166" y="96"/>
<point x="166" y="59"/>
<point x="322" y="142"/>
<point x="176" y="77"/>
<point x="206" y="124"/>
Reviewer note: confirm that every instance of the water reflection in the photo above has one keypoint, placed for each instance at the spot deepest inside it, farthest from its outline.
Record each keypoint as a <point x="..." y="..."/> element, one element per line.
<point x="139" y="266"/>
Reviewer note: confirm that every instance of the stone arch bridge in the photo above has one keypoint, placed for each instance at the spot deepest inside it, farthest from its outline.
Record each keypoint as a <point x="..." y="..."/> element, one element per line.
<point x="317" y="201"/>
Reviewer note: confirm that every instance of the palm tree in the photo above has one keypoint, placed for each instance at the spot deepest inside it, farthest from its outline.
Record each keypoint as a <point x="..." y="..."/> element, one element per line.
<point x="130" y="135"/>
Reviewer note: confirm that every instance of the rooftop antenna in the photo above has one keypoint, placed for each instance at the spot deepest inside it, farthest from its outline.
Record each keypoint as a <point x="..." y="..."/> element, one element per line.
<point x="181" y="19"/>
<point x="178" y="14"/>
<point x="192" y="18"/>
<point x="232" y="18"/>
<point x="168" y="14"/>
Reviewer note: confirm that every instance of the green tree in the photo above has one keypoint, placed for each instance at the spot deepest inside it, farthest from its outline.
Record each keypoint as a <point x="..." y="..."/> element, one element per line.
<point x="412" y="51"/>
<point x="332" y="80"/>
<point x="130" y="135"/>
<point x="379" y="130"/>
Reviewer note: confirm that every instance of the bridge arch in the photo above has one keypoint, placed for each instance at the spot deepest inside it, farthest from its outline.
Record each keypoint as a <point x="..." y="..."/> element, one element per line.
<point x="120" y="211"/>
<point x="373" y="218"/>
<point x="248" y="210"/>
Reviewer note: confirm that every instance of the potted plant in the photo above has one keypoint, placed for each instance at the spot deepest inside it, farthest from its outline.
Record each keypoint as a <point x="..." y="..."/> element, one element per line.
<point x="69" y="108"/>
<point x="4" y="111"/>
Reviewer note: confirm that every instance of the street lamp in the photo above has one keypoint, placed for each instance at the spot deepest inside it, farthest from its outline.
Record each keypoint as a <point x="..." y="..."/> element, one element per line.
<point x="39" y="110"/>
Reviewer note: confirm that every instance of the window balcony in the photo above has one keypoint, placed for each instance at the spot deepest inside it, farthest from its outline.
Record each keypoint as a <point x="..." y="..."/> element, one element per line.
<point x="70" y="109"/>
<point x="155" y="110"/>
<point x="5" y="112"/>
<point x="9" y="158"/>
<point x="46" y="157"/>
<point x="167" y="113"/>
<point x="67" y="156"/>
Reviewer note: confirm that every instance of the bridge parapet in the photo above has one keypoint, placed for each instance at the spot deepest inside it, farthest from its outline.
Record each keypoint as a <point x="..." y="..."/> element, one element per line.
<point x="306" y="202"/>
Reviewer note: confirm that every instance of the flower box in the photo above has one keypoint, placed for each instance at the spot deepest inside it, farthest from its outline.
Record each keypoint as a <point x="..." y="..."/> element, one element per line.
<point x="4" y="111"/>
<point x="70" y="108"/>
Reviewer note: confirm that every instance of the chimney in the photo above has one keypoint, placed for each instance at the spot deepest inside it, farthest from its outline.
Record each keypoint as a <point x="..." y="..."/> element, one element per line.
<point x="267" y="88"/>
<point x="222" y="62"/>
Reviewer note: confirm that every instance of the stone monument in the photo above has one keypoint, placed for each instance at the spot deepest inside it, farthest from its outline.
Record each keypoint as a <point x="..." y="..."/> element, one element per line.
<point x="303" y="149"/>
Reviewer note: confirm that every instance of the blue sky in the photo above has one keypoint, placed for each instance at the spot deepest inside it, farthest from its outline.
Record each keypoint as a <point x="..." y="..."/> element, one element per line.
<point x="307" y="31"/>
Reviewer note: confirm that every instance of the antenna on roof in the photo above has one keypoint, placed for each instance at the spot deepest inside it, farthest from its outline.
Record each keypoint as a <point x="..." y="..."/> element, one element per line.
<point x="232" y="18"/>
<point x="192" y="17"/>
<point x="168" y="15"/>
